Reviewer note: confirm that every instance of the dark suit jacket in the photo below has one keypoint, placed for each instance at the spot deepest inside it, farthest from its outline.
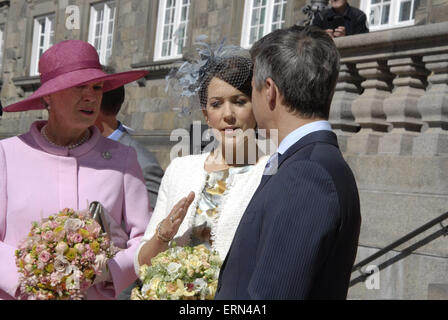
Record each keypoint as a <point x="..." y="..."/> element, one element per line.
<point x="355" y="20"/>
<point x="152" y="172"/>
<point x="299" y="234"/>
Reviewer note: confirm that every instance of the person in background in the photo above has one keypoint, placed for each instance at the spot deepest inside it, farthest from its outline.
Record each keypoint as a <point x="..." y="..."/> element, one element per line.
<point x="341" y="20"/>
<point x="66" y="163"/>
<point x="113" y="129"/>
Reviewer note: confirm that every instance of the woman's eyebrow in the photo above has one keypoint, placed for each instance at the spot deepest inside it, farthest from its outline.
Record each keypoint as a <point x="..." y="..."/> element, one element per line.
<point x="232" y="96"/>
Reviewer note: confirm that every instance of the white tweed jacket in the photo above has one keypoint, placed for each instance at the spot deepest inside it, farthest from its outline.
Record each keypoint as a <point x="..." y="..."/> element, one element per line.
<point x="187" y="174"/>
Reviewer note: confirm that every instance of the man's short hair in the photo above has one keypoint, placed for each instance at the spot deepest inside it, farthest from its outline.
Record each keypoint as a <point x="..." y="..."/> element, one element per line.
<point x="112" y="101"/>
<point x="304" y="64"/>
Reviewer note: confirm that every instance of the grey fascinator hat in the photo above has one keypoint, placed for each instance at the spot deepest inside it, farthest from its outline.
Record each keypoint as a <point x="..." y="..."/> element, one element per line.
<point x="188" y="84"/>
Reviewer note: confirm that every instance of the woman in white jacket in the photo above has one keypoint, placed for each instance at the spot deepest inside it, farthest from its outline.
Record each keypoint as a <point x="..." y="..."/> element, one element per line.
<point x="219" y="184"/>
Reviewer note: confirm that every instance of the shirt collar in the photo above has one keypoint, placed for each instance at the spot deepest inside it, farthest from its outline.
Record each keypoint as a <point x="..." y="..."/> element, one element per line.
<point x="301" y="132"/>
<point x="116" y="135"/>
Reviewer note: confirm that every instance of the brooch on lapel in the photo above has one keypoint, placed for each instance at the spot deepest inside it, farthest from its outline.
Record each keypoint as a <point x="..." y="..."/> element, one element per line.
<point x="106" y="155"/>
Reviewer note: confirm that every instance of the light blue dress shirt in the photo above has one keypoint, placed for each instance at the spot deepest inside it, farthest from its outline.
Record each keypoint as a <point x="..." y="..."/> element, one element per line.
<point x="291" y="139"/>
<point x="116" y="135"/>
<point x="301" y="132"/>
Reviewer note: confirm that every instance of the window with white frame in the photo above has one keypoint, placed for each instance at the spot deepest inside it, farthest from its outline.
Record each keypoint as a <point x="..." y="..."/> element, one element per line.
<point x="172" y="24"/>
<point x="101" y="29"/>
<point x="260" y="18"/>
<point x="386" y="14"/>
<point x="2" y="44"/>
<point x="43" y="38"/>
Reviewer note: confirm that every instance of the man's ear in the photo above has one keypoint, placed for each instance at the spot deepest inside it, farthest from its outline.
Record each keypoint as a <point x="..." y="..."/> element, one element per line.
<point x="271" y="93"/>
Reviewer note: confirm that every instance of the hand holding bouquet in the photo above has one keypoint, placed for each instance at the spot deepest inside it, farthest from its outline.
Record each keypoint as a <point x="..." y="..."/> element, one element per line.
<point x="61" y="256"/>
<point x="180" y="273"/>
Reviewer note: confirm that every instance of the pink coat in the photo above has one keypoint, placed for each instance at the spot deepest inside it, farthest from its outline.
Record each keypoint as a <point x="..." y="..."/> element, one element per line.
<point x="38" y="179"/>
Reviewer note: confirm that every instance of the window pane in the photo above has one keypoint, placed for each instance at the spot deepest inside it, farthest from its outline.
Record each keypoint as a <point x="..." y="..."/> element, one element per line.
<point x="255" y="18"/>
<point x="374" y="16"/>
<point x="262" y="15"/>
<point x="385" y="15"/>
<point x="253" y="35"/>
<point x="174" y="28"/>
<point x="416" y="5"/>
<point x="167" y="33"/>
<point x="405" y="11"/>
<point x="278" y="15"/>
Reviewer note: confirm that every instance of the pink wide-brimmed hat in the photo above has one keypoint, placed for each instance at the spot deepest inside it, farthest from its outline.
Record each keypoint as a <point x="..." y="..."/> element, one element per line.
<point x="69" y="64"/>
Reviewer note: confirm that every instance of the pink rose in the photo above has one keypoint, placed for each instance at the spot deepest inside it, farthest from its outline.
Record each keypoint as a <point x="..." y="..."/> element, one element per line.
<point x="94" y="229"/>
<point x="54" y="224"/>
<point x="41" y="247"/>
<point x="44" y="256"/>
<point x="48" y="236"/>
<point x="89" y="254"/>
<point x="74" y="237"/>
<point x="80" y="248"/>
<point x="56" y="278"/>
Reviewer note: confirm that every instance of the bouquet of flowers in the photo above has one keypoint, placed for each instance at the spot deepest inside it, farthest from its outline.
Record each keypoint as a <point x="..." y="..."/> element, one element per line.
<point x="180" y="273"/>
<point x="61" y="256"/>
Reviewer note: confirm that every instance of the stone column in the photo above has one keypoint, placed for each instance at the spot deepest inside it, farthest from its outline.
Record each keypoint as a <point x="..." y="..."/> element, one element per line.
<point x="348" y="89"/>
<point x="401" y="106"/>
<point x="433" y="106"/>
<point x="368" y="107"/>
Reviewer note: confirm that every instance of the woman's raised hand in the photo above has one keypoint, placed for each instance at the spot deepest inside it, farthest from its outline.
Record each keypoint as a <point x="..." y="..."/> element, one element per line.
<point x="169" y="226"/>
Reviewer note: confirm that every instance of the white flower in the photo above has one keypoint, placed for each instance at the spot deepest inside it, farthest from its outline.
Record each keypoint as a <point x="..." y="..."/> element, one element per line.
<point x="73" y="225"/>
<point x="80" y="248"/>
<point x="29" y="259"/>
<point x="199" y="284"/>
<point x="72" y="282"/>
<point x="61" y="247"/>
<point x="100" y="261"/>
<point x="29" y="267"/>
<point x="173" y="267"/>
<point x="62" y="265"/>
<point x="145" y="288"/>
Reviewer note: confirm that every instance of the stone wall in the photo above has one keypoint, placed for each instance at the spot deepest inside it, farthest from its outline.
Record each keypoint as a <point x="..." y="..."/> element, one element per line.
<point x="389" y="112"/>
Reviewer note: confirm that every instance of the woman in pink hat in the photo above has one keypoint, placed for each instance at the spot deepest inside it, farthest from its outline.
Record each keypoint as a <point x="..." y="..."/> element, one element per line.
<point x="66" y="163"/>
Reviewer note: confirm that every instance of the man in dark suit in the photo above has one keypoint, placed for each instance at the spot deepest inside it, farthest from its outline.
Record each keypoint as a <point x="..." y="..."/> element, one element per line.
<point x="299" y="234"/>
<point x="112" y="128"/>
<point x="340" y="19"/>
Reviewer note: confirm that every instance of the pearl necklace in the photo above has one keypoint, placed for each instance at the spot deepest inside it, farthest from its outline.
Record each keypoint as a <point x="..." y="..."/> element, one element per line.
<point x="71" y="146"/>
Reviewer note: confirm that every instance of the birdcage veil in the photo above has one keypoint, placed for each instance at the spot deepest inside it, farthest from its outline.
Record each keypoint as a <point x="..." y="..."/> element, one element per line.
<point x="188" y="84"/>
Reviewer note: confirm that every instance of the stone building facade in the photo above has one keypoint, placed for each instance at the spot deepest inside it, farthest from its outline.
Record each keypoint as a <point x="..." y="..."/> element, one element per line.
<point x="389" y="110"/>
